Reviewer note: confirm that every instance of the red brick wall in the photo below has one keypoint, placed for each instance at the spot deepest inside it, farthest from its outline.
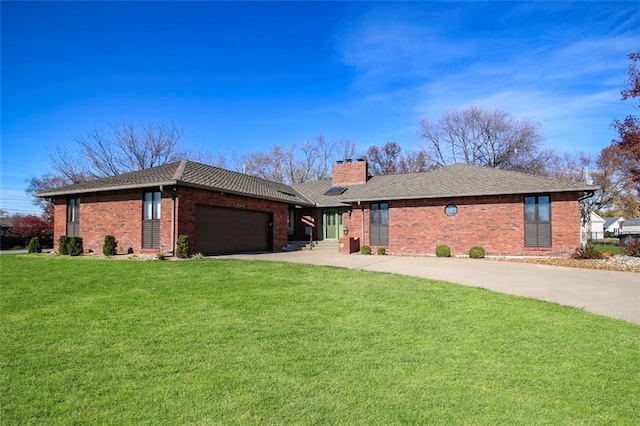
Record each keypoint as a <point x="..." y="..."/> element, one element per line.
<point x="188" y="198"/>
<point x="118" y="214"/>
<point x="59" y="220"/>
<point x="351" y="173"/>
<point x="495" y="223"/>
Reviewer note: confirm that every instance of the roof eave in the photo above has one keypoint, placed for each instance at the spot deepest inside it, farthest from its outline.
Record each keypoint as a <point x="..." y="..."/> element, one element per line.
<point x="245" y="194"/>
<point x="337" y="204"/>
<point x="589" y="190"/>
<point x="71" y="191"/>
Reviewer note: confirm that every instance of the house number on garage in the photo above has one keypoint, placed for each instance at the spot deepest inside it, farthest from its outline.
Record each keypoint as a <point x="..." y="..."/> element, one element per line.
<point x="241" y="205"/>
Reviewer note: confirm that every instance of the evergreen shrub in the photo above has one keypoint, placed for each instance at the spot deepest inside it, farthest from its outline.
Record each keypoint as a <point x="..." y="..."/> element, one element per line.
<point x="182" y="251"/>
<point x="109" y="248"/>
<point x="63" y="245"/>
<point x="443" y="250"/>
<point x="75" y="246"/>
<point x="34" y="245"/>
<point x="476" y="252"/>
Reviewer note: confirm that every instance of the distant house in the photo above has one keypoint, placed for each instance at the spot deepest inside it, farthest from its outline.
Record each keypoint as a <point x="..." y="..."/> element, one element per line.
<point x="596" y="223"/>
<point x="612" y="225"/>
<point x="7" y="240"/>
<point x="6" y="223"/>
<point x="221" y="211"/>
<point x="630" y="229"/>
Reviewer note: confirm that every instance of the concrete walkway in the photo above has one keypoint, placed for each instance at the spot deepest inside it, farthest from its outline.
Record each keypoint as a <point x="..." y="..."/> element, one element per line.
<point x="609" y="293"/>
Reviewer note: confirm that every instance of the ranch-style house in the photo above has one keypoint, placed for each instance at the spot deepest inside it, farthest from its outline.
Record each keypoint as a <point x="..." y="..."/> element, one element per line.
<point x="221" y="211"/>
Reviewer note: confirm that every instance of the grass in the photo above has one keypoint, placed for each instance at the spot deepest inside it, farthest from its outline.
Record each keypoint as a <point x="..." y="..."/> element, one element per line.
<point x="611" y="248"/>
<point x="87" y="341"/>
<point x="608" y="244"/>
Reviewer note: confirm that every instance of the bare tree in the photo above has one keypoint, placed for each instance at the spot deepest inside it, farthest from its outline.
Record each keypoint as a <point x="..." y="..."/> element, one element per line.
<point x="272" y="165"/>
<point x="310" y="160"/>
<point x="481" y="137"/>
<point x="388" y="159"/>
<point x="124" y="148"/>
<point x="415" y="161"/>
<point x="45" y="183"/>
<point x="343" y="149"/>
<point x="70" y="166"/>
<point x="384" y="160"/>
<point x="575" y="167"/>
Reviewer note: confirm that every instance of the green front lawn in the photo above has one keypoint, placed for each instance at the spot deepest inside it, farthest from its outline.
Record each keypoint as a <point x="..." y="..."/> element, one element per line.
<point x="87" y="341"/>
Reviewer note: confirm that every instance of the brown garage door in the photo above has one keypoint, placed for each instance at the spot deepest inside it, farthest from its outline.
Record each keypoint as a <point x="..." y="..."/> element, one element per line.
<point x="221" y="231"/>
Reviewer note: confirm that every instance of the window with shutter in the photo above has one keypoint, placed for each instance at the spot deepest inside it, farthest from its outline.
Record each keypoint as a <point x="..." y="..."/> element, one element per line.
<point x="537" y="221"/>
<point x="379" y="224"/>
<point x="73" y="217"/>
<point x="151" y="220"/>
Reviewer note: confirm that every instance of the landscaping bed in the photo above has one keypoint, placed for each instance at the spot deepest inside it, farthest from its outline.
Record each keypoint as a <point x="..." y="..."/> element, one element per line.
<point x="614" y="263"/>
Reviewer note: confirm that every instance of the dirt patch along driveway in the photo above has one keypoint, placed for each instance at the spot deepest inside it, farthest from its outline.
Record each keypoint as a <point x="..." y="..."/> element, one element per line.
<point x="610" y="293"/>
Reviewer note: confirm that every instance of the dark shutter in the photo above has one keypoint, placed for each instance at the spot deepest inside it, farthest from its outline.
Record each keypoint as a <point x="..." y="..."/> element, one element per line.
<point x="73" y="229"/>
<point x="73" y="217"/>
<point x="544" y="235"/>
<point x="151" y="233"/>
<point x="537" y="234"/>
<point x="537" y="221"/>
<point x="379" y="224"/>
<point x="151" y="219"/>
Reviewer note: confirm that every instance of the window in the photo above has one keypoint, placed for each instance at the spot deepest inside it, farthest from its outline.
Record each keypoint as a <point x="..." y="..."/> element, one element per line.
<point x="151" y="220"/>
<point x="73" y="217"/>
<point x="292" y="222"/>
<point x="537" y="221"/>
<point x="379" y="221"/>
<point x="451" y="210"/>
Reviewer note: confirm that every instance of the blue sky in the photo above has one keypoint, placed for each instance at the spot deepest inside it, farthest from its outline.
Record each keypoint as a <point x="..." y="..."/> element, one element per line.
<point x="242" y="76"/>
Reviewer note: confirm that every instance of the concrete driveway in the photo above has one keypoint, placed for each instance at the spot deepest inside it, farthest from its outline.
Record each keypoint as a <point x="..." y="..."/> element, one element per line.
<point x="609" y="293"/>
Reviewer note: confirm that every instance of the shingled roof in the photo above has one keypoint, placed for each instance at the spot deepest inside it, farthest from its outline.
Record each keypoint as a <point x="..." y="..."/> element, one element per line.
<point x="315" y="192"/>
<point x="192" y="174"/>
<point x="458" y="180"/>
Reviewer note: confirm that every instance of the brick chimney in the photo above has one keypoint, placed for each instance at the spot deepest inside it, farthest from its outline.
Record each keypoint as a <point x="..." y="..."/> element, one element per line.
<point x="348" y="172"/>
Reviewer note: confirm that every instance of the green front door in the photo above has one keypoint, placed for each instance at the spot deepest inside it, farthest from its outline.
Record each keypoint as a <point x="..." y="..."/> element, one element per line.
<point x="330" y="224"/>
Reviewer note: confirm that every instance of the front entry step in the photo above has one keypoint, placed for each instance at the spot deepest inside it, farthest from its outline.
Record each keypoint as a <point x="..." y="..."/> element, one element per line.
<point x="321" y="246"/>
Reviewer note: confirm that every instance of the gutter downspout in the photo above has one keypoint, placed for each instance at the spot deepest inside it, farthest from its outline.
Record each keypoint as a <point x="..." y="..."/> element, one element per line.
<point x="173" y="220"/>
<point x="584" y="222"/>
<point x="362" y="225"/>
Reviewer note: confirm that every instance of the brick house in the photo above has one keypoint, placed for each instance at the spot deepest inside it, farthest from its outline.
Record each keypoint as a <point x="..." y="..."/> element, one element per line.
<point x="221" y="211"/>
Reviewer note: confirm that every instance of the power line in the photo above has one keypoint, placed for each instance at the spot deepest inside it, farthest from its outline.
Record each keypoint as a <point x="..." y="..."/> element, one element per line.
<point x="20" y="211"/>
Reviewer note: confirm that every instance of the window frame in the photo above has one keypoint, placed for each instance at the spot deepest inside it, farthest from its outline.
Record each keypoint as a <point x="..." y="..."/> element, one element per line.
<point x="451" y="210"/>
<point x="151" y="213"/>
<point x="379" y="231"/>
<point x="73" y="217"/>
<point x="537" y="230"/>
